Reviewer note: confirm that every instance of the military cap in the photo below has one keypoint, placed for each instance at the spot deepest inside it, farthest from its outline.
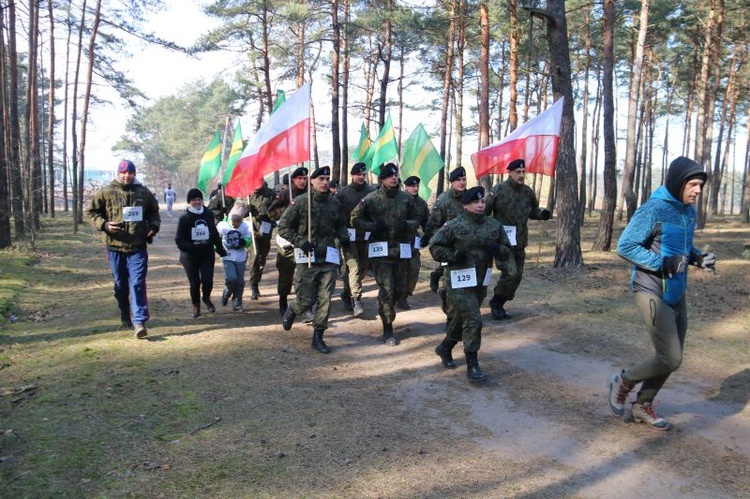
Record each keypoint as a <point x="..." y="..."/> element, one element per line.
<point x="458" y="172"/>
<point x="474" y="194"/>
<point x="299" y="172"/>
<point x="333" y="184"/>
<point x="516" y="164"/>
<point x="413" y="180"/>
<point x="388" y="170"/>
<point x="321" y="170"/>
<point x="358" y="169"/>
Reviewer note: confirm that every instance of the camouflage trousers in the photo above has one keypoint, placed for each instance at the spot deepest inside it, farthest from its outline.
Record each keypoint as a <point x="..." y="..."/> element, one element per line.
<point x="391" y="276"/>
<point x="260" y="253"/>
<point x="466" y="318"/>
<point x="415" y="265"/>
<point x="511" y="272"/>
<point x="315" y="284"/>
<point x="356" y="260"/>
<point x="286" y="266"/>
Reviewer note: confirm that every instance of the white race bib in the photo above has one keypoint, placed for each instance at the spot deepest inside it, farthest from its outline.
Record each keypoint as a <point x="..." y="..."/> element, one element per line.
<point x="352" y="234"/>
<point x="487" y="277"/>
<point x="510" y="231"/>
<point x="132" y="214"/>
<point x="281" y="242"/>
<point x="378" y="249"/>
<point x="464" y="278"/>
<point x="417" y="242"/>
<point x="265" y="228"/>
<point x="199" y="233"/>
<point x="301" y="257"/>
<point x="367" y="236"/>
<point x="404" y="251"/>
<point x="333" y="255"/>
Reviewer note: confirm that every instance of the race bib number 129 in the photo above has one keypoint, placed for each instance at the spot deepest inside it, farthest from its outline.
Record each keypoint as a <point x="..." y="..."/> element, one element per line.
<point x="464" y="278"/>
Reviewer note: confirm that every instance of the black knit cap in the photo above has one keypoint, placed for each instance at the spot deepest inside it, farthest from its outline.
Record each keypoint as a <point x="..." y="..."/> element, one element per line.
<point x="516" y="164"/>
<point x="322" y="170"/>
<point x="358" y="168"/>
<point x="299" y="172"/>
<point x="458" y="172"/>
<point x="474" y="194"/>
<point x="413" y="180"/>
<point x="388" y="170"/>
<point x="680" y="171"/>
<point x="194" y="193"/>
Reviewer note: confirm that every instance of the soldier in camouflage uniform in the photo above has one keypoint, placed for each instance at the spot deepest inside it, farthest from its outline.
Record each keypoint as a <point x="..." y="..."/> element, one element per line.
<point x="513" y="203"/>
<point x="315" y="282"/>
<point x="390" y="217"/>
<point x="468" y="243"/>
<point x="356" y="254"/>
<point x="447" y="206"/>
<point x="411" y="186"/>
<point x="285" y="254"/>
<point x="262" y="230"/>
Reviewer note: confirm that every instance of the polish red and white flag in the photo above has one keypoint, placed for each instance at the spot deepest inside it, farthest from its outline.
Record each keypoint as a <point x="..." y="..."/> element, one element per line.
<point x="283" y="141"/>
<point x="536" y="142"/>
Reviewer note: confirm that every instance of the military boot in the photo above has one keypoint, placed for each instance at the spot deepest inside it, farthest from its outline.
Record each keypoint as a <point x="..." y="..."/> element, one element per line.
<point x="318" y="343"/>
<point x="497" y="310"/>
<point x="255" y="293"/>
<point x="288" y="319"/>
<point x="346" y="298"/>
<point x="473" y="372"/>
<point x="388" y="337"/>
<point x="283" y="305"/>
<point x="357" y="309"/>
<point x="444" y="350"/>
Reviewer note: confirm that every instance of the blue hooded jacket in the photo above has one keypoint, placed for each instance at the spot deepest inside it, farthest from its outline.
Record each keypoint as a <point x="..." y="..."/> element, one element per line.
<point x="662" y="227"/>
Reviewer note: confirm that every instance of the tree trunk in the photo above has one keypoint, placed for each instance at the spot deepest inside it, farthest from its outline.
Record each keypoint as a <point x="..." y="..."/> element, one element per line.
<point x="447" y="77"/>
<point x="628" y="193"/>
<point x="51" y="114"/>
<point x="14" y="134"/>
<point x="603" y="240"/>
<point x="335" y="86"/>
<point x="5" y="202"/>
<point x="585" y="118"/>
<point x="568" y="246"/>
<point x="460" y="47"/>
<point x="484" y="85"/>
<point x="344" y="178"/>
<point x="513" y="65"/>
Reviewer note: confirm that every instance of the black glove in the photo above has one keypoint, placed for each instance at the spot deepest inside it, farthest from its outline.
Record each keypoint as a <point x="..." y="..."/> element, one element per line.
<point x="149" y="239"/>
<point x="673" y="265"/>
<point x="707" y="260"/>
<point x="221" y="251"/>
<point x="242" y="243"/>
<point x="546" y="214"/>
<point x="344" y="243"/>
<point x="460" y="257"/>
<point x="308" y="247"/>
<point x="288" y="251"/>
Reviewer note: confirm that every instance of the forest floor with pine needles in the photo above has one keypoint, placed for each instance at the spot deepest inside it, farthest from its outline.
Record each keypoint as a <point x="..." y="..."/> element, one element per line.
<point x="230" y="405"/>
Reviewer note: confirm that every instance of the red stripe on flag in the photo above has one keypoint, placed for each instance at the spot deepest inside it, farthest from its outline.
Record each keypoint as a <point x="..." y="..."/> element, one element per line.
<point x="287" y="148"/>
<point x="538" y="151"/>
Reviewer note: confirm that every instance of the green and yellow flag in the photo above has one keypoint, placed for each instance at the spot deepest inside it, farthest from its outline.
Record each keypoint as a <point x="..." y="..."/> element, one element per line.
<point x="210" y="163"/>
<point x="364" y="144"/>
<point x="420" y="158"/>
<point x="383" y="149"/>
<point x="280" y="98"/>
<point x="234" y="154"/>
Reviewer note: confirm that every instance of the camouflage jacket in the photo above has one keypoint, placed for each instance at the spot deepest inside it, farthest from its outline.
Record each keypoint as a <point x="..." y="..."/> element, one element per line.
<point x="389" y="215"/>
<point x="473" y="234"/>
<point x="281" y="201"/>
<point x="514" y="204"/>
<point x="423" y="211"/>
<point x="107" y="206"/>
<point x="328" y="225"/>
<point x="447" y="206"/>
<point x="349" y="196"/>
<point x="260" y="201"/>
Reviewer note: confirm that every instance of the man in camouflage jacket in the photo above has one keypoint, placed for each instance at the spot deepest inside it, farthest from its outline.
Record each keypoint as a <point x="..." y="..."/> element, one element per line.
<point x="513" y="203"/>
<point x="468" y="243"/>
<point x="263" y="226"/>
<point x="315" y="236"/>
<point x="390" y="217"/>
<point x="411" y="186"/>
<point x="356" y="254"/>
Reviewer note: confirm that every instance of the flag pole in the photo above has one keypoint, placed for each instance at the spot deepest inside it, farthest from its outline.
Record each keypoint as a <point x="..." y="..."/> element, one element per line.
<point x="223" y="159"/>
